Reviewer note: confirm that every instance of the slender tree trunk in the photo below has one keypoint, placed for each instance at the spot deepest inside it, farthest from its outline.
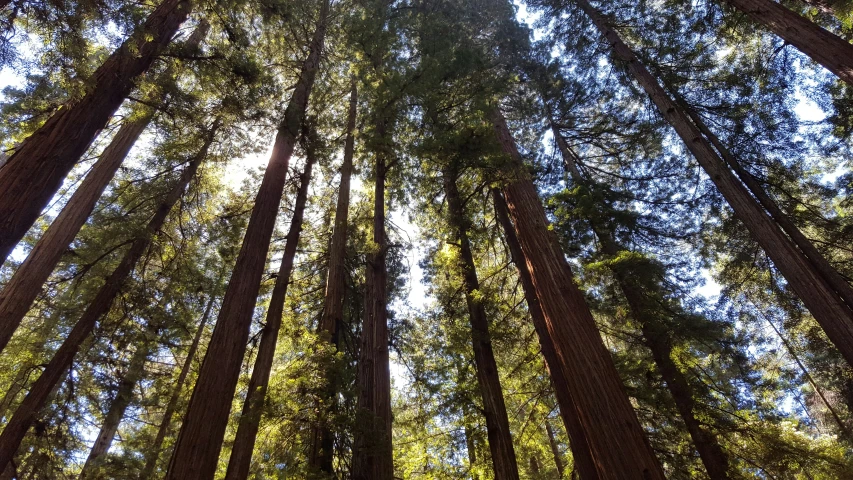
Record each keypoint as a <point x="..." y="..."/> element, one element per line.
<point x="197" y="448"/>
<point x="494" y="409"/>
<point x="333" y="309"/>
<point x="555" y="449"/>
<point x="21" y="420"/>
<point x="471" y="448"/>
<point x="825" y="305"/>
<point x="372" y="448"/>
<point x="250" y="418"/>
<point x="826" y="270"/>
<point x="824" y="47"/>
<point x="581" y="453"/>
<point x="616" y="440"/>
<point x="166" y="422"/>
<point x="124" y="395"/>
<point x="656" y="337"/>
<point x="34" y="173"/>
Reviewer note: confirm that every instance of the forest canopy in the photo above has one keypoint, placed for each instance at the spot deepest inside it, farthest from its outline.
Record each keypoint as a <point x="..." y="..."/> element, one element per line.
<point x="426" y="239"/>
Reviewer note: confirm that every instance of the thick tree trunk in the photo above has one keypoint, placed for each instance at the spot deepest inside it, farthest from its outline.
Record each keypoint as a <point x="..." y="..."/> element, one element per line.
<point x="555" y="449"/>
<point x="825" y="305"/>
<point x="497" y="423"/>
<point x="581" y="453"/>
<point x="20" y="422"/>
<point x="197" y="448"/>
<point x="615" y="438"/>
<point x="26" y="284"/>
<point x="250" y="418"/>
<point x="124" y="395"/>
<point x="824" y="47"/>
<point x="372" y="448"/>
<point x="333" y="309"/>
<point x="34" y="173"/>
<point x="656" y="337"/>
<point x="166" y="422"/>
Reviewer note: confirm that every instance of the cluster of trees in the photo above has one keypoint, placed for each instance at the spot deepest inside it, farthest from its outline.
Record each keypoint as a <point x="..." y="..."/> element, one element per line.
<point x="568" y="183"/>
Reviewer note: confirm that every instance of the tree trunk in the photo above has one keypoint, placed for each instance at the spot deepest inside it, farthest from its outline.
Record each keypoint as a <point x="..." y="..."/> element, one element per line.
<point x="555" y="449"/>
<point x="471" y="449"/>
<point x="197" y="449"/>
<point x="655" y="335"/>
<point x="581" y="453"/>
<point x="250" y="418"/>
<point x="21" y="420"/>
<point x="166" y="422"/>
<point x="372" y="448"/>
<point x="616" y="440"/>
<point x="333" y="309"/>
<point x="494" y="409"/>
<point x="34" y="173"/>
<point x="824" y="47"/>
<point x="124" y="395"/>
<point x="825" y="305"/>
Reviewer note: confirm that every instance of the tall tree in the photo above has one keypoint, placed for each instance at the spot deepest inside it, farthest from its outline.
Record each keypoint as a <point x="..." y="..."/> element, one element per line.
<point x="250" y="418"/>
<point x="614" y="435"/>
<point x="494" y="409"/>
<point x="23" y="417"/>
<point x="35" y="171"/>
<point x="333" y="306"/>
<point x="197" y="448"/>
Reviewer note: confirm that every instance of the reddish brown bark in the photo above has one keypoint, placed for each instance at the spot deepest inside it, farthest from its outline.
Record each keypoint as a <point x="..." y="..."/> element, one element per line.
<point x="23" y="417"/>
<point x="830" y="311"/>
<point x="166" y="422"/>
<point x="25" y="285"/>
<point x="197" y="449"/>
<point x="504" y="461"/>
<point x="124" y="395"/>
<point x="250" y="418"/>
<point x="656" y="337"/>
<point x="34" y="173"/>
<point x="322" y="445"/>
<point x="583" y="458"/>
<point x="824" y="47"/>
<point x="372" y="447"/>
<point x="615" y="438"/>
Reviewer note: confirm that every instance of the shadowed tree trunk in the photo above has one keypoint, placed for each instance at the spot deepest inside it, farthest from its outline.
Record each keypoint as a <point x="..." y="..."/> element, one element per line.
<point x="166" y="422"/>
<point x="497" y="423"/>
<point x="830" y="311"/>
<point x="197" y="448"/>
<point x="615" y="438"/>
<point x="555" y="449"/>
<point x="655" y="336"/>
<point x="23" y="417"/>
<point x="583" y="458"/>
<point x="372" y="448"/>
<point x="34" y="173"/>
<point x="124" y="395"/>
<point x="824" y="47"/>
<point x="333" y="308"/>
<point x="250" y="418"/>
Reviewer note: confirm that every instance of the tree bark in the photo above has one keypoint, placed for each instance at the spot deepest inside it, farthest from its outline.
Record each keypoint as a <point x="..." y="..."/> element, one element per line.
<point x="34" y="173"/>
<point x="250" y="418"/>
<point x="616" y="440"/>
<point x="333" y="308"/>
<point x="830" y="311"/>
<point x="656" y="336"/>
<point x="581" y="453"/>
<point x="372" y="448"/>
<point x="555" y="449"/>
<point x="166" y="422"/>
<point x="23" y="417"/>
<point x="124" y="395"/>
<point x="197" y="449"/>
<point x="504" y="460"/>
<point x="471" y="449"/>
<point x="824" y="47"/>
